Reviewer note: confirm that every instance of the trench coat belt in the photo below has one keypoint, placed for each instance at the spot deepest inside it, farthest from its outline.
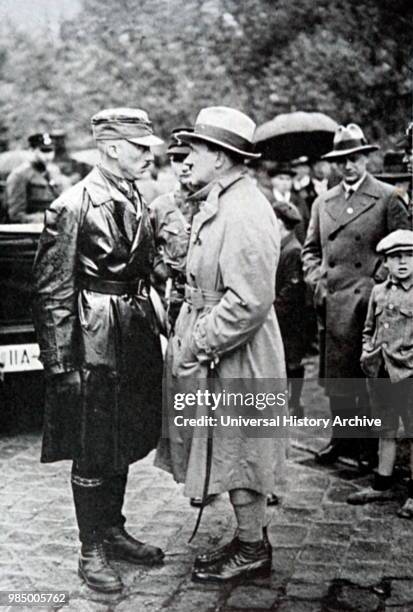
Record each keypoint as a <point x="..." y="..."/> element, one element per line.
<point x="199" y="298"/>
<point x="101" y="285"/>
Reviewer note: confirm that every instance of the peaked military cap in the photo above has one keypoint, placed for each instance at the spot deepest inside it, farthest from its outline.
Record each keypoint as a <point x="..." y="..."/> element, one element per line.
<point x="130" y="124"/>
<point x="41" y="141"/>
<point x="176" y="145"/>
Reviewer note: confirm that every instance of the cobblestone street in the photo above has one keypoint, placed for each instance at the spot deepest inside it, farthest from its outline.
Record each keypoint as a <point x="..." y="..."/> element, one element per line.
<point x="328" y="555"/>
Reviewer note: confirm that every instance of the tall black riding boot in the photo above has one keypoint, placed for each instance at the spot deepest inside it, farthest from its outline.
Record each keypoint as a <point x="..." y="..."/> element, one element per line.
<point x="89" y="506"/>
<point x="119" y="544"/>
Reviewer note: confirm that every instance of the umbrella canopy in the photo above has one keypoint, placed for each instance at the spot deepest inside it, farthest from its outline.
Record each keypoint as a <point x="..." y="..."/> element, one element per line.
<point x="293" y="135"/>
<point x="9" y="160"/>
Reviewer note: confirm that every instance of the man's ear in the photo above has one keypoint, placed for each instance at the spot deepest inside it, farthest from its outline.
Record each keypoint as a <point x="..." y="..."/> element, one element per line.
<point x="220" y="158"/>
<point x="112" y="150"/>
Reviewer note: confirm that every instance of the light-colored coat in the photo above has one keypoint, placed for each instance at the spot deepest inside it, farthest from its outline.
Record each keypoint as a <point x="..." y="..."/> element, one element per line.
<point x="341" y="266"/>
<point x="233" y="254"/>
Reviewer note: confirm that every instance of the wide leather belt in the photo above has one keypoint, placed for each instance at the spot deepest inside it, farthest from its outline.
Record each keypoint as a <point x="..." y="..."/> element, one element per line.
<point x="101" y="285"/>
<point x="199" y="298"/>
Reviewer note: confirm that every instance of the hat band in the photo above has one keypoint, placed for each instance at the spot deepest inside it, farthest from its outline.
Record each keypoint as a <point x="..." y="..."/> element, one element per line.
<point x="353" y="143"/>
<point x="225" y="136"/>
<point x="120" y="131"/>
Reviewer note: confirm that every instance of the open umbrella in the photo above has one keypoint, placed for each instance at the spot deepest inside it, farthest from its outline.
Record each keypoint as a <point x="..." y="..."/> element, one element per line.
<point x="293" y="135"/>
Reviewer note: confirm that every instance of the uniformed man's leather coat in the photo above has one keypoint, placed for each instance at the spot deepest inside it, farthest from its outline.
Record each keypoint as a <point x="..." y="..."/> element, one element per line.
<point x="93" y="230"/>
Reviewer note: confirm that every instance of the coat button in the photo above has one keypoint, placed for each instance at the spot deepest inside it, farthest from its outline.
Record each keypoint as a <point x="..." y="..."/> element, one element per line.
<point x="391" y="306"/>
<point x="386" y="325"/>
<point x="332" y="264"/>
<point x="357" y="264"/>
<point x="357" y="290"/>
<point x="350" y="210"/>
<point x="331" y="291"/>
<point x="357" y="237"/>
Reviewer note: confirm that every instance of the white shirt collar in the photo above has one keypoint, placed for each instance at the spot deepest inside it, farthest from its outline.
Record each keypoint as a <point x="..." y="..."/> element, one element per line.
<point x="354" y="186"/>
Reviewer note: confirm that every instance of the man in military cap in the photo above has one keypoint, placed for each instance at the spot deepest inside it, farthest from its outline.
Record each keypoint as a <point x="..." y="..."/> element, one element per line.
<point x="98" y="339"/>
<point x="341" y="266"/>
<point x="227" y="328"/>
<point x="32" y="186"/>
<point x="172" y="215"/>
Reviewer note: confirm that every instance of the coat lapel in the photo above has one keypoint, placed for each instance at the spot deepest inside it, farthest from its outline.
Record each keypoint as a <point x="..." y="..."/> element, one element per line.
<point x="343" y="211"/>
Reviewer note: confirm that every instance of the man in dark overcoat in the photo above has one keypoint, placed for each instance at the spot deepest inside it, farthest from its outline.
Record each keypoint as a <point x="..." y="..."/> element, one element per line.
<point x="341" y="267"/>
<point x="99" y="342"/>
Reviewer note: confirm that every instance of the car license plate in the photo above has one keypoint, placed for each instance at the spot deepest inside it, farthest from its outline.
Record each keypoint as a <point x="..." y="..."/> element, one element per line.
<point x="19" y="358"/>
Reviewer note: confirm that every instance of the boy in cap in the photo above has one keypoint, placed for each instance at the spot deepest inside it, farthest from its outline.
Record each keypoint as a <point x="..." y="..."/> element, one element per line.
<point x="387" y="359"/>
<point x="99" y="342"/>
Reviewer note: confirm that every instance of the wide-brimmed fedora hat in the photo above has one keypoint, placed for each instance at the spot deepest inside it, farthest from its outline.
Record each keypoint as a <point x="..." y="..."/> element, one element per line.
<point x="225" y="127"/>
<point x="349" y="139"/>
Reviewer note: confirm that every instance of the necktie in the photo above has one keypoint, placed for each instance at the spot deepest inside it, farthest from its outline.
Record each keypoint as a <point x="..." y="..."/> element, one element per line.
<point x="349" y="193"/>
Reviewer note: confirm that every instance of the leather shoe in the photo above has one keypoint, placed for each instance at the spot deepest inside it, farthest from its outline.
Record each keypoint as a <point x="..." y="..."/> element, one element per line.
<point x="368" y="495"/>
<point x="218" y="554"/>
<point x="196" y="502"/>
<point x="406" y="511"/>
<point x="330" y="453"/>
<point x="95" y="570"/>
<point x="247" y="560"/>
<point x="120" y="545"/>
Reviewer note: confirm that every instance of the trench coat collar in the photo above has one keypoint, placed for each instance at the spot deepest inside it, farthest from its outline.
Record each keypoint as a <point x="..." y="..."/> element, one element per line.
<point x="212" y="192"/>
<point x="343" y="211"/>
<point x="100" y="190"/>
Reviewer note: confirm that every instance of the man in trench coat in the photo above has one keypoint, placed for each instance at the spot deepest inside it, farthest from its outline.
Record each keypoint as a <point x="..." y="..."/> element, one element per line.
<point x="98" y="339"/>
<point x="227" y="328"/>
<point x="341" y="267"/>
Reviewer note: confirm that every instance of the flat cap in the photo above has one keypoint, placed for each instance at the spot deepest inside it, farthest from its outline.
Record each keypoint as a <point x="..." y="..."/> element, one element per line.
<point x="287" y="212"/>
<point x="399" y="240"/>
<point x="130" y="124"/>
<point x="41" y="141"/>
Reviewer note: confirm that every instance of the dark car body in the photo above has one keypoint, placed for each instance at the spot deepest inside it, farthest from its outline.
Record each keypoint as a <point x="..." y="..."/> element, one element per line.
<point x="21" y="375"/>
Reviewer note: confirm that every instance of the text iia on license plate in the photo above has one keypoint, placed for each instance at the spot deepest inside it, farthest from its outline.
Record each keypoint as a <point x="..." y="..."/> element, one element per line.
<point x="19" y="358"/>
